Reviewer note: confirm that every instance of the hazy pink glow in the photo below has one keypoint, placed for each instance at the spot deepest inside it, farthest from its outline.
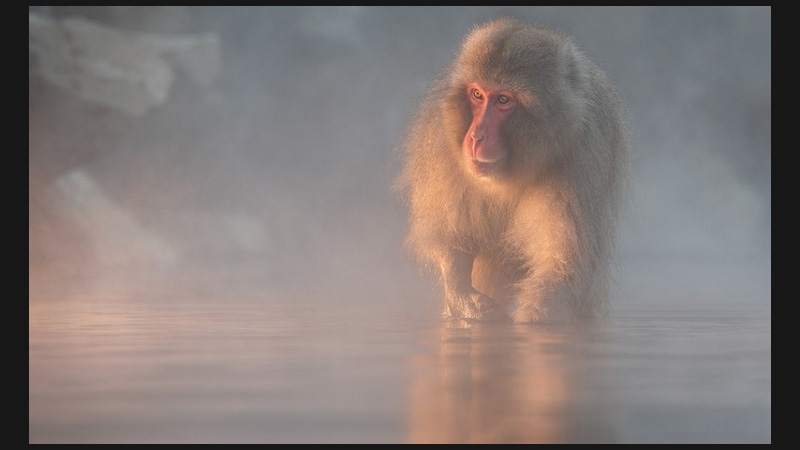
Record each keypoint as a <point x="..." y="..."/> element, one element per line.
<point x="222" y="260"/>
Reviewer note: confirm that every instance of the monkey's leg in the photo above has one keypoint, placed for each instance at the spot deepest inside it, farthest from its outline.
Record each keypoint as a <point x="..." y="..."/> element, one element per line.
<point x="462" y="300"/>
<point x="580" y="295"/>
<point x="549" y="296"/>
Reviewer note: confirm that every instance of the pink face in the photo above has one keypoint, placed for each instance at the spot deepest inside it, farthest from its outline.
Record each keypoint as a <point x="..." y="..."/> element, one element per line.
<point x="484" y="145"/>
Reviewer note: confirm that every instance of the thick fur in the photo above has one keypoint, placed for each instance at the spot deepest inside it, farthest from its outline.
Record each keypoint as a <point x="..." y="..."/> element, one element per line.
<point x="540" y="233"/>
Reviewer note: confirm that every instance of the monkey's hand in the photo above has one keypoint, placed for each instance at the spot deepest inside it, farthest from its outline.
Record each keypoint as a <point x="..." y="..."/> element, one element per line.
<point x="489" y="310"/>
<point x="476" y="306"/>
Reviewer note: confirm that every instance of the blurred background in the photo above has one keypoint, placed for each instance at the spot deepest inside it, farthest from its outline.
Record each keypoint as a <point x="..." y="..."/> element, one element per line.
<point x="210" y="153"/>
<point x="215" y="248"/>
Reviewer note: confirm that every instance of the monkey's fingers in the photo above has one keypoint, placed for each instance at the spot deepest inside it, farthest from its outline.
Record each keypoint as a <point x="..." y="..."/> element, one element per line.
<point x="489" y="310"/>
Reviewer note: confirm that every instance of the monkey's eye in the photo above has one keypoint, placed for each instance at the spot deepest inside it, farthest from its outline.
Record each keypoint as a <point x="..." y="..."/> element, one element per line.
<point x="477" y="94"/>
<point x="503" y="99"/>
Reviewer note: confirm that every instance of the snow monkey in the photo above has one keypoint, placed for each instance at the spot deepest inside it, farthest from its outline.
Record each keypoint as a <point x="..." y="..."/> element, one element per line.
<point x="514" y="168"/>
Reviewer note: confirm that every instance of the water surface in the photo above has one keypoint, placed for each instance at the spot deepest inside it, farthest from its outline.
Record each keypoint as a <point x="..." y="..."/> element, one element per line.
<point x="246" y="372"/>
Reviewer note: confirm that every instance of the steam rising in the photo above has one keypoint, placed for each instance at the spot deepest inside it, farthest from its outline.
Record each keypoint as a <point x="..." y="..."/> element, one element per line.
<point x="264" y="160"/>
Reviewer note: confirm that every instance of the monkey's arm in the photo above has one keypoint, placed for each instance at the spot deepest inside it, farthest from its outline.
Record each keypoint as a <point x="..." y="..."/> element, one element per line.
<point x="461" y="299"/>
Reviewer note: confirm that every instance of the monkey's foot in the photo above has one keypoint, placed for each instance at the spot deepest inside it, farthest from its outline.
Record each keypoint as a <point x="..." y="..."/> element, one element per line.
<point x="480" y="308"/>
<point x="489" y="310"/>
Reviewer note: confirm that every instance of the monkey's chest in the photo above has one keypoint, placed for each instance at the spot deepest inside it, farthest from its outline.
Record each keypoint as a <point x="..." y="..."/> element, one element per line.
<point x="485" y="226"/>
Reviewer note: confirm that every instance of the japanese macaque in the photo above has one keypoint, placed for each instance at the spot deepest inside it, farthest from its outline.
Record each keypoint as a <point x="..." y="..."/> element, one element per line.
<point x="515" y="165"/>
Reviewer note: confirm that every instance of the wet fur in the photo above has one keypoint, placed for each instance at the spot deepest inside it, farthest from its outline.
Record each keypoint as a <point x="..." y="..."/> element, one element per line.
<point x="542" y="232"/>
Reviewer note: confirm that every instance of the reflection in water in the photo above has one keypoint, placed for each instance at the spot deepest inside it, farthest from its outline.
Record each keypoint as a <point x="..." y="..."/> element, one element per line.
<point x="168" y="369"/>
<point x="494" y="383"/>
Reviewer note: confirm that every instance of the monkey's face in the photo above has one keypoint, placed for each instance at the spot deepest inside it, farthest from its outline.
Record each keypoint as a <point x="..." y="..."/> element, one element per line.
<point x="485" y="148"/>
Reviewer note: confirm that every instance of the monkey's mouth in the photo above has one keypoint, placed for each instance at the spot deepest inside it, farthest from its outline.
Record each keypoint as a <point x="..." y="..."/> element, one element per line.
<point x="485" y="168"/>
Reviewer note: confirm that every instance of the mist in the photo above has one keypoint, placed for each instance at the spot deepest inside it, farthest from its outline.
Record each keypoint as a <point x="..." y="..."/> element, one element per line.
<point x="216" y="248"/>
<point x="275" y="172"/>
